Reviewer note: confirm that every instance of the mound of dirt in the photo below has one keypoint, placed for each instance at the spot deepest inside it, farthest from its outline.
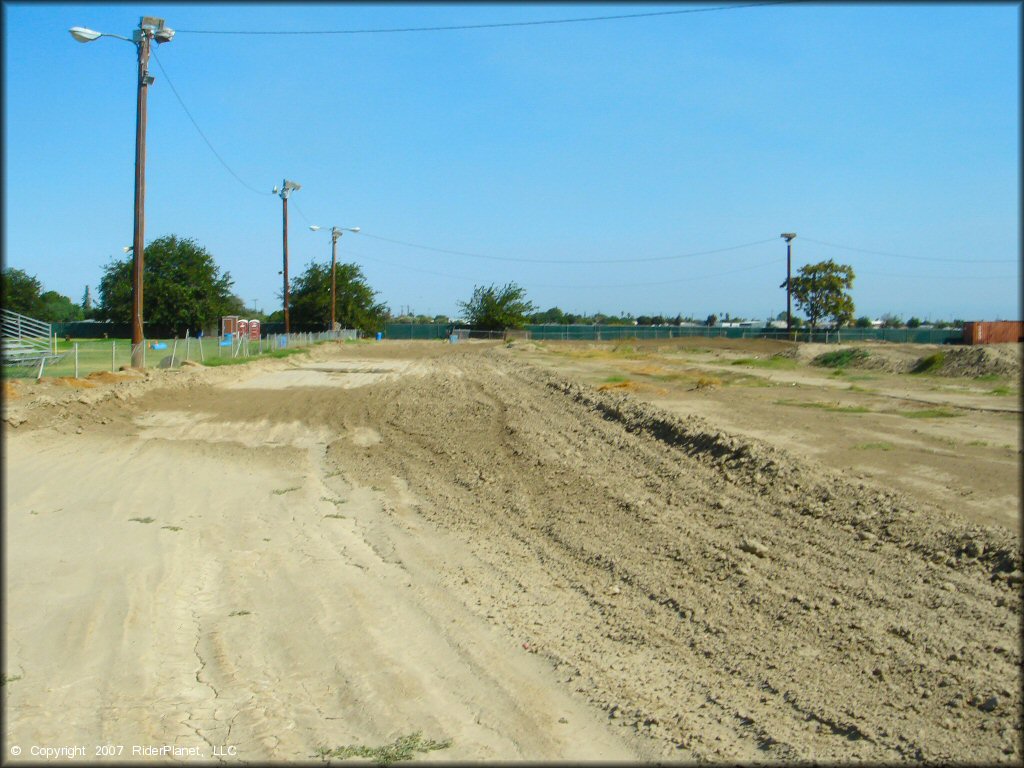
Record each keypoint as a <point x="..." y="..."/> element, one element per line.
<point x="12" y="390"/>
<point x="982" y="360"/>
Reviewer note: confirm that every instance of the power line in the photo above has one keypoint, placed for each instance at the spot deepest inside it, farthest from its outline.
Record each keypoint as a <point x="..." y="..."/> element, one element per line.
<point x="569" y="261"/>
<point x="576" y="287"/>
<point x="200" y="130"/>
<point x="902" y="256"/>
<point x="929" y="276"/>
<point x="687" y="279"/>
<point x="480" y="26"/>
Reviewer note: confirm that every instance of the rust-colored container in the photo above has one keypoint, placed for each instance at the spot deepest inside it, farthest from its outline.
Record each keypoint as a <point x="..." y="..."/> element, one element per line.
<point x="993" y="332"/>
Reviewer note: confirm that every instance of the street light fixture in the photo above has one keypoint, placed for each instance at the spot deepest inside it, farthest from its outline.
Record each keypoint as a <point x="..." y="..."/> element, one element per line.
<point x="150" y="28"/>
<point x="336" y="232"/>
<point x="285" y="191"/>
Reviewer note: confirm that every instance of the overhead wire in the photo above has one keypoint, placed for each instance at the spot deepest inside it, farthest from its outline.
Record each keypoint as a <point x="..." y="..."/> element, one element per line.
<point x="200" y="130"/>
<point x="494" y="25"/>
<point x="904" y="256"/>
<point x="569" y="261"/>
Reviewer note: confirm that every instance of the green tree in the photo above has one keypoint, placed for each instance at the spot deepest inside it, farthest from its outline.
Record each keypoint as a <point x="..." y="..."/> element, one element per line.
<point x="553" y="315"/>
<point x="891" y="321"/>
<point x="712" y="320"/>
<point x="20" y="292"/>
<point x="914" y="322"/>
<point x="183" y="288"/>
<point x="54" y="308"/>
<point x="863" y="322"/>
<point x="494" y="309"/>
<point x="310" y="300"/>
<point x="820" y="290"/>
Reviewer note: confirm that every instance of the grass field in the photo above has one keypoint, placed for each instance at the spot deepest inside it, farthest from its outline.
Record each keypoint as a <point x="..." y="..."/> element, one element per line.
<point x="111" y="354"/>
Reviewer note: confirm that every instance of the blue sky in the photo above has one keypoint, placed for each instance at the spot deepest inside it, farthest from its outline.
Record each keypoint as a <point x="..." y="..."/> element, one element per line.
<point x="893" y="129"/>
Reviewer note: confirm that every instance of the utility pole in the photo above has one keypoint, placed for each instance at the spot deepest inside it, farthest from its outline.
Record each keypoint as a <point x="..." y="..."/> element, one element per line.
<point x="286" y="189"/>
<point x="788" y="236"/>
<point x="335" y="234"/>
<point x="142" y="37"/>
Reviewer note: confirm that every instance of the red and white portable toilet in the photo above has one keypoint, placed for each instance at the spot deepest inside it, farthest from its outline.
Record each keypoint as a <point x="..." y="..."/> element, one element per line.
<point x="243" y="328"/>
<point x="254" y="330"/>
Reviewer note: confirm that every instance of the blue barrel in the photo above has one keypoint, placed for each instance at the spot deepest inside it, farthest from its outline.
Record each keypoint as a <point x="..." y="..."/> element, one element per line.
<point x="380" y="335"/>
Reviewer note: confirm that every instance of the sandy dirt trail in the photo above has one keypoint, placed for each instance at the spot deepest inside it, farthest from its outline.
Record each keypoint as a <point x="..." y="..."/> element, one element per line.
<point x="250" y="616"/>
<point x="409" y="537"/>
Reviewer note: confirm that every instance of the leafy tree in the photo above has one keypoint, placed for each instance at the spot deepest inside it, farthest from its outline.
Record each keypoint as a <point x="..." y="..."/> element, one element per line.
<point x="863" y="322"/>
<point x="54" y="308"/>
<point x="914" y="322"/>
<point x="553" y="315"/>
<point x="182" y="288"/>
<point x="20" y="292"/>
<point x="87" y="303"/>
<point x="820" y="290"/>
<point x="891" y="321"/>
<point x="310" y="298"/>
<point x="494" y="309"/>
<point x="712" y="320"/>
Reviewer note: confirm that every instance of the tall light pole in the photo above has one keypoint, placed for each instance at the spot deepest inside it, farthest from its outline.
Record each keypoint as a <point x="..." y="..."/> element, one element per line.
<point x="336" y="232"/>
<point x="788" y="236"/>
<point x="150" y="28"/>
<point x="286" y="189"/>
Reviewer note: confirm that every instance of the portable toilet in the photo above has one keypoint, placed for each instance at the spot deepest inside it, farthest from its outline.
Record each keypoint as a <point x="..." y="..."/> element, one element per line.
<point x="243" y="329"/>
<point x="254" y="330"/>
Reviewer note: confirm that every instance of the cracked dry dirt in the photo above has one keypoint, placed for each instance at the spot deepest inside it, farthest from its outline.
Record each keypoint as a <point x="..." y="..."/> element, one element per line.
<point x="456" y="540"/>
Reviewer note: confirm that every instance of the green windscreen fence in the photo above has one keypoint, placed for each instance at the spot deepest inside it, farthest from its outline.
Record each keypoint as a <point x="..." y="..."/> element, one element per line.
<point x="615" y="332"/>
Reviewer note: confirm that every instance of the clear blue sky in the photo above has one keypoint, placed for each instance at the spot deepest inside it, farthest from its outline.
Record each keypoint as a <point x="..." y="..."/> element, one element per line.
<point x="887" y="128"/>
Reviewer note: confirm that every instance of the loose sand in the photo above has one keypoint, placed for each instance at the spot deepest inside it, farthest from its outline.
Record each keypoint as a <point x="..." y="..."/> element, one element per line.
<point x="477" y="543"/>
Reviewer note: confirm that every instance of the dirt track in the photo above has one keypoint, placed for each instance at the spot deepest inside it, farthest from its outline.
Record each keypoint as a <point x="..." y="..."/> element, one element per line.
<point x="452" y="539"/>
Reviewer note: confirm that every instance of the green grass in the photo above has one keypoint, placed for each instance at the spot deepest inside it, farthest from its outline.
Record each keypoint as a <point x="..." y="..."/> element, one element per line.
<point x="833" y="407"/>
<point x="930" y="363"/>
<point x="928" y="413"/>
<point x="335" y="516"/>
<point x="283" y="491"/>
<point x="841" y="358"/>
<point x="1000" y="391"/>
<point x="775" y="362"/>
<point x="242" y="612"/>
<point x="978" y="443"/>
<point x="171" y="527"/>
<point x="615" y="380"/>
<point x="142" y="519"/>
<point x="402" y="748"/>
<point x="873" y="447"/>
<point x="988" y="377"/>
<point x="276" y="354"/>
<point x="5" y="679"/>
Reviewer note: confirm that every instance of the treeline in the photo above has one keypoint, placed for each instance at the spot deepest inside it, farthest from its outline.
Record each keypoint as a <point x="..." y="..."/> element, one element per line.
<point x="185" y="290"/>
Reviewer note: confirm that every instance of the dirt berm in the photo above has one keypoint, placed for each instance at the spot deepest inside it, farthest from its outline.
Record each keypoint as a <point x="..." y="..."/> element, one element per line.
<point x="710" y="592"/>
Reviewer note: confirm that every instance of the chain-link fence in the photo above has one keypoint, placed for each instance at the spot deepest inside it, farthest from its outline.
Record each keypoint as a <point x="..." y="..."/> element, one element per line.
<point x="79" y="358"/>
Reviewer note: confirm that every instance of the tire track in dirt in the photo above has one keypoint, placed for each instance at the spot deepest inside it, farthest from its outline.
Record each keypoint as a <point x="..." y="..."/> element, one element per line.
<point x="613" y="539"/>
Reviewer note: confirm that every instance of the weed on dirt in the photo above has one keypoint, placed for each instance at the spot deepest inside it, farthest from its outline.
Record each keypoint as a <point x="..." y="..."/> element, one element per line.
<point x="402" y="748"/>
<point x="873" y="447"/>
<point x="834" y="407"/>
<point x="282" y="491"/>
<point x="929" y="363"/>
<point x="773" y="362"/>
<point x="141" y="519"/>
<point x="928" y="413"/>
<point x="841" y="358"/>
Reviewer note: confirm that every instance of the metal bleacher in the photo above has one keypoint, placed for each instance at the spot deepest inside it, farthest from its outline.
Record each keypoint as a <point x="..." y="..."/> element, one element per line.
<point x="26" y="342"/>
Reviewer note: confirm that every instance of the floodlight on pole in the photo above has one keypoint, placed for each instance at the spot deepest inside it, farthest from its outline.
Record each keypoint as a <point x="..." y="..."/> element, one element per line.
<point x="336" y="232"/>
<point x="150" y="28"/>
